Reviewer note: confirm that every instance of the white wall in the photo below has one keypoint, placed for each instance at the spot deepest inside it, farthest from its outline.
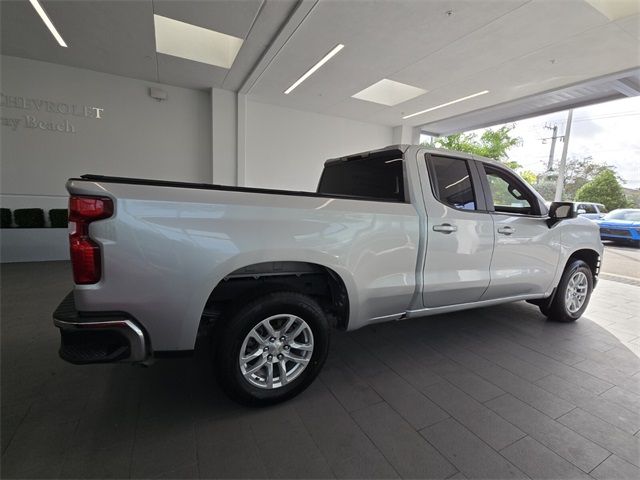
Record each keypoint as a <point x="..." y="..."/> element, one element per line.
<point x="137" y="136"/>
<point x="287" y="148"/>
<point x="193" y="136"/>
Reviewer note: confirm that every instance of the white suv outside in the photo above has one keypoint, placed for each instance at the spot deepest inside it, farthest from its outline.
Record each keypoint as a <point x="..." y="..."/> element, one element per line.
<point x="590" y="210"/>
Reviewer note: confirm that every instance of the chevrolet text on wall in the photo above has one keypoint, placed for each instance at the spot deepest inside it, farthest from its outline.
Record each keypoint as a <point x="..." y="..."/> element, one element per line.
<point x="37" y="106"/>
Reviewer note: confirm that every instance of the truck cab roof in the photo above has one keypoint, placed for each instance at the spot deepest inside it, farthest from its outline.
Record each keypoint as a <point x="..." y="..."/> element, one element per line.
<point x="403" y="147"/>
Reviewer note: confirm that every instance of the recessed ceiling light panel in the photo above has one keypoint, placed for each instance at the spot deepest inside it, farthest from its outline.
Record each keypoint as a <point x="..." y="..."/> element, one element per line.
<point x="388" y="92"/>
<point x="184" y="40"/>
<point x="616" y="9"/>
<point x="442" y="105"/>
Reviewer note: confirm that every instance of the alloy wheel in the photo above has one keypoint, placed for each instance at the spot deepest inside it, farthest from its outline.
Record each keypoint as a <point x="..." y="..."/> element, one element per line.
<point x="576" y="293"/>
<point x="276" y="351"/>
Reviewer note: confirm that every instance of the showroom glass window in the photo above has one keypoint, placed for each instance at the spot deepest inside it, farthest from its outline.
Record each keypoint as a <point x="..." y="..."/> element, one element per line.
<point x="451" y="182"/>
<point x="508" y="193"/>
<point x="379" y="178"/>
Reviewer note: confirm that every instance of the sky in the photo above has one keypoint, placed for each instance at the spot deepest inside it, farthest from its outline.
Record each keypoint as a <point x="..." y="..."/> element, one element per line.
<point x="608" y="132"/>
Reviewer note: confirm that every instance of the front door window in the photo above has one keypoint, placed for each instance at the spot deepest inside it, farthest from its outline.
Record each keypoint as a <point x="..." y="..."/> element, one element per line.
<point x="509" y="195"/>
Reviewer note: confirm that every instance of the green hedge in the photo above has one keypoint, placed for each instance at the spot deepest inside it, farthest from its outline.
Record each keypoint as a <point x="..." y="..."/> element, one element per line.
<point x="59" y="217"/>
<point x="29" y="217"/>
<point x="5" y="218"/>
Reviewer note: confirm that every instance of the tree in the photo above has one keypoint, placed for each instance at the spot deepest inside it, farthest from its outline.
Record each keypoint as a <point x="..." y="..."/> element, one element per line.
<point x="530" y="177"/>
<point x="492" y="143"/>
<point x="633" y="195"/>
<point x="581" y="170"/>
<point x="604" y="188"/>
<point x="578" y="172"/>
<point x="546" y="185"/>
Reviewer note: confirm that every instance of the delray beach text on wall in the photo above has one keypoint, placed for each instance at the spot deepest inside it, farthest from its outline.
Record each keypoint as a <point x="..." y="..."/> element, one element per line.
<point x="37" y="106"/>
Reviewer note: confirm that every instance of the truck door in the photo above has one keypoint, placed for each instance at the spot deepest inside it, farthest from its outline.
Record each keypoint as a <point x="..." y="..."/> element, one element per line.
<point x="460" y="232"/>
<point x="527" y="251"/>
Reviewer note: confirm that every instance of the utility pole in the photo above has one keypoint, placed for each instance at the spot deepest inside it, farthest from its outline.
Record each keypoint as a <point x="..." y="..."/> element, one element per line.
<point x="552" y="151"/>
<point x="563" y="159"/>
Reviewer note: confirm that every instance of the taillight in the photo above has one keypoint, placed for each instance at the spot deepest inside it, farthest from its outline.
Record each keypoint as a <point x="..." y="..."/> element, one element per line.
<point x="85" y="253"/>
<point x="89" y="208"/>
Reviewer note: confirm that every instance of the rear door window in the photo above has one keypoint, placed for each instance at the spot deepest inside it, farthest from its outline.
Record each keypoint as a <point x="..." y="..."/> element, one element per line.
<point x="451" y="182"/>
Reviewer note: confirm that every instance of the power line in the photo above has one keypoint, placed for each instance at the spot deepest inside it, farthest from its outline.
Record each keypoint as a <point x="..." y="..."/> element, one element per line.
<point x="598" y="117"/>
<point x="603" y="117"/>
<point x="580" y="119"/>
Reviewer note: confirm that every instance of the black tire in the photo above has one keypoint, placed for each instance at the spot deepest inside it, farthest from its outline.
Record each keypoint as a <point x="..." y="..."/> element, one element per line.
<point x="558" y="310"/>
<point x="232" y="336"/>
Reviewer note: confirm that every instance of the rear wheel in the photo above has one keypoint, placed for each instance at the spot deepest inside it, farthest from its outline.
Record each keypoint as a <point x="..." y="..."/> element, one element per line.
<point x="272" y="348"/>
<point x="573" y="293"/>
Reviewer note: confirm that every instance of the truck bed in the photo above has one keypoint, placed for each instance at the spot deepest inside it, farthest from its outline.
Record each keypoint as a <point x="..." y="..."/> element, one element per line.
<point x="222" y="188"/>
<point x="169" y="244"/>
<point x="202" y="186"/>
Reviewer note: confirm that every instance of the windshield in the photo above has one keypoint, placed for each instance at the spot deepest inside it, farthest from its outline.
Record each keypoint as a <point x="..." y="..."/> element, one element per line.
<point x="629" y="215"/>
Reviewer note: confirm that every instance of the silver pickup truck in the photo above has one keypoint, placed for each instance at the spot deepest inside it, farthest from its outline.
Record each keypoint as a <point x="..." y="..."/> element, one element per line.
<point x="397" y="233"/>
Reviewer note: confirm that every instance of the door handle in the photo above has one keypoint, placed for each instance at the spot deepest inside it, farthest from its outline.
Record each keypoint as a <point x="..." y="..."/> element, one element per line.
<point x="445" y="228"/>
<point x="506" y="230"/>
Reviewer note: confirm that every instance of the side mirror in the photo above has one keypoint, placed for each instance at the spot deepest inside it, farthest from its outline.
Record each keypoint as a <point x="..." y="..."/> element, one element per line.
<point x="560" y="211"/>
<point x="581" y="211"/>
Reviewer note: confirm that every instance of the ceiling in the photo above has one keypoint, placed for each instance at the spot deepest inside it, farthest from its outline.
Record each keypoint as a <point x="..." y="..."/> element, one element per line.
<point x="532" y="55"/>
<point x="603" y="89"/>
<point x="118" y="36"/>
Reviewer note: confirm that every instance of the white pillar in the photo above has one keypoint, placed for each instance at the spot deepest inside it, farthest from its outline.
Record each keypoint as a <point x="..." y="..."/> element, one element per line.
<point x="406" y="134"/>
<point x="223" y="137"/>
<point x="241" y="136"/>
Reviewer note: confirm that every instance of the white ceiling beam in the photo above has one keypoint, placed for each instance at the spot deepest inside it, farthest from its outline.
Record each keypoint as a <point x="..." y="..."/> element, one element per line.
<point x="296" y="19"/>
<point x="519" y="109"/>
<point x="627" y="86"/>
<point x="465" y="125"/>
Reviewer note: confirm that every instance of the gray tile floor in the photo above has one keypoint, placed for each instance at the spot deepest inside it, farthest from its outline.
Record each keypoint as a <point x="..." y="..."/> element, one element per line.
<point x="491" y="393"/>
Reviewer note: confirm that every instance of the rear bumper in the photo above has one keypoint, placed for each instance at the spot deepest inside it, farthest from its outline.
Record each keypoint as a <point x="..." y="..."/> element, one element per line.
<point x="98" y="337"/>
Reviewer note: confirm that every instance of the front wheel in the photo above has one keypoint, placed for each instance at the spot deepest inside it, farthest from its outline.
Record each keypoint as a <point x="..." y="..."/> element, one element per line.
<point x="272" y="348"/>
<point x="573" y="293"/>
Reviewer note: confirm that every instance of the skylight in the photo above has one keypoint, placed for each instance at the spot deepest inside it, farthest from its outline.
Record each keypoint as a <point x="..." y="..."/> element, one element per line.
<point x="184" y="40"/>
<point x="388" y="92"/>
<point x="616" y="9"/>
